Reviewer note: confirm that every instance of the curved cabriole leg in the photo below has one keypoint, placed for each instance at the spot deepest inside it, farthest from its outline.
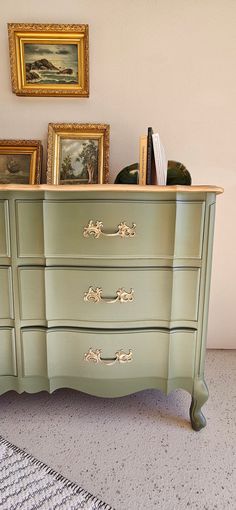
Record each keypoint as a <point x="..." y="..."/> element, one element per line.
<point x="199" y="397"/>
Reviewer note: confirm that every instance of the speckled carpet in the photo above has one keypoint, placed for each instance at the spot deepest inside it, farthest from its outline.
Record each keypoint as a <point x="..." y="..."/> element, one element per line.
<point x="28" y="484"/>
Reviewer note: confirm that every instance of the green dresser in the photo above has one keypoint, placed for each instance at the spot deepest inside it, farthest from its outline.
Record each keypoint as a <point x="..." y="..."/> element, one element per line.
<point x="105" y="289"/>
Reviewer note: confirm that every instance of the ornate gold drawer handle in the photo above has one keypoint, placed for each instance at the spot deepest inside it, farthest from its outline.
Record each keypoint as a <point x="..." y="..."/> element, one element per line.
<point x="95" y="296"/>
<point x="95" y="230"/>
<point x="94" y="356"/>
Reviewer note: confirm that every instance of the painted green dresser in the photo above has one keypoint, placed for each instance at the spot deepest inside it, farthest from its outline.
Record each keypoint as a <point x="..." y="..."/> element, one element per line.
<point x="105" y="289"/>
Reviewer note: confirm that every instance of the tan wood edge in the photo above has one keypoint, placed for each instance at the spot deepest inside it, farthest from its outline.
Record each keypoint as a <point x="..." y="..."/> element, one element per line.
<point x="111" y="187"/>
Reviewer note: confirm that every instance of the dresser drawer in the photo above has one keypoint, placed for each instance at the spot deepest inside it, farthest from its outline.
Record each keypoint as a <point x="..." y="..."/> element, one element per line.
<point x="6" y="302"/>
<point x="62" y="353"/>
<point x="110" y="297"/>
<point x="171" y="230"/>
<point x="7" y="352"/>
<point x="4" y="231"/>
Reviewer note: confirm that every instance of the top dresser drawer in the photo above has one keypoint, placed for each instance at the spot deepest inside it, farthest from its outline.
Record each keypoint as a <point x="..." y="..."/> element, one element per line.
<point x="110" y="230"/>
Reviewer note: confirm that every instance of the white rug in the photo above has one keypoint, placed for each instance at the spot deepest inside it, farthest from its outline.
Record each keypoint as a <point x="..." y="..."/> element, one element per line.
<point x="28" y="484"/>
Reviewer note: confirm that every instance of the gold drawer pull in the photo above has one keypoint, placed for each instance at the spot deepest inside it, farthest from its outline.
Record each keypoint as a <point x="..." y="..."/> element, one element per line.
<point x="95" y="230"/>
<point x="95" y="296"/>
<point x="94" y="356"/>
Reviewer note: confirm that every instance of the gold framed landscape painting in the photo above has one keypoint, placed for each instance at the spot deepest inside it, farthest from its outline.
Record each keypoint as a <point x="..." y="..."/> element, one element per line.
<point x="78" y="153"/>
<point x="49" y="59"/>
<point x="20" y="161"/>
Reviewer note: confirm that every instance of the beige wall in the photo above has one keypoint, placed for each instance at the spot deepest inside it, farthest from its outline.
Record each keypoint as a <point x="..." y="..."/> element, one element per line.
<point x="170" y="64"/>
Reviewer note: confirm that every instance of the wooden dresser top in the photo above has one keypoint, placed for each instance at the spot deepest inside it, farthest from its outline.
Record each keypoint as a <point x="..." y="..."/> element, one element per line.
<point x="112" y="187"/>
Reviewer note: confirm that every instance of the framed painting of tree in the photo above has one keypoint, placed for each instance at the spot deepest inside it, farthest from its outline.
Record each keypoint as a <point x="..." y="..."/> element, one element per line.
<point x="78" y="153"/>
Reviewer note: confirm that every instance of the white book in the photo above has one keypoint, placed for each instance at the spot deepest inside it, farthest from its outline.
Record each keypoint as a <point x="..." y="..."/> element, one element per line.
<point x="160" y="160"/>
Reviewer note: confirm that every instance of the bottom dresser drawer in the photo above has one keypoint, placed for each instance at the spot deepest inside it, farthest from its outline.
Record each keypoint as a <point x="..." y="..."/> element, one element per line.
<point x="7" y="352"/>
<point x="107" y="354"/>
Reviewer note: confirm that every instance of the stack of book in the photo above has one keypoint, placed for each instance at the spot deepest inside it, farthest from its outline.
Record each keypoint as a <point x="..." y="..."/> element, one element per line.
<point x="152" y="160"/>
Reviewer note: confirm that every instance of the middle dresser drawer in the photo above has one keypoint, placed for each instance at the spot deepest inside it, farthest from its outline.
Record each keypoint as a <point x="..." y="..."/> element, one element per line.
<point x="163" y="297"/>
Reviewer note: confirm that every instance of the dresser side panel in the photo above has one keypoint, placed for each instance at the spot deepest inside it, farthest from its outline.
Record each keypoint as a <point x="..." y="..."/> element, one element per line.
<point x="7" y="352"/>
<point x="4" y="230"/>
<point x="204" y="294"/>
<point x="189" y="224"/>
<point x="32" y="293"/>
<point x="30" y="229"/>
<point x="6" y="298"/>
<point x="34" y="352"/>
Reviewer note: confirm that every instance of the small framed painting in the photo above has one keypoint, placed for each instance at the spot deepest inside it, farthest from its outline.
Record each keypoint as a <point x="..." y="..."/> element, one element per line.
<point x="78" y="153"/>
<point x="20" y="161"/>
<point x="49" y="60"/>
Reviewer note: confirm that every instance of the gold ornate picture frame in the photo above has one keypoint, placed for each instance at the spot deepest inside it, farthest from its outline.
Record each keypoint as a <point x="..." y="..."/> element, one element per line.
<point x="78" y="153"/>
<point x="20" y="161"/>
<point x="49" y="59"/>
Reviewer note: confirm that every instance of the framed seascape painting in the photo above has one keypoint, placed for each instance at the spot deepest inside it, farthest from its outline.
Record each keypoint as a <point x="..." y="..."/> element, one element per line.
<point x="49" y="60"/>
<point x="78" y="153"/>
<point x="20" y="161"/>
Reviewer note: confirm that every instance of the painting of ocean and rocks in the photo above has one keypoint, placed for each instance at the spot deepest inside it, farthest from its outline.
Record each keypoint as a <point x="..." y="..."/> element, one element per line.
<point x="51" y="63"/>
